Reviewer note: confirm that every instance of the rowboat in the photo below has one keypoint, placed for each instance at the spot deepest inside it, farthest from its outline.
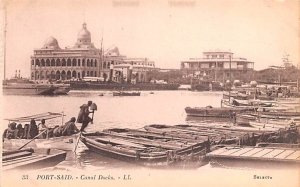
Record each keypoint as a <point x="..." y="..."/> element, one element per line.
<point x="122" y="93"/>
<point x="215" y="112"/>
<point x="31" y="158"/>
<point x="142" y="150"/>
<point x="62" y="142"/>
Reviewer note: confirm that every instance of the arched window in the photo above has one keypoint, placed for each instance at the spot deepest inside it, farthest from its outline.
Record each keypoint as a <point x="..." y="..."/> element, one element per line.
<point x="63" y="63"/>
<point x="32" y="62"/>
<point x="63" y="75"/>
<point x="43" y="62"/>
<point x="69" y="75"/>
<point x="37" y="62"/>
<point x="78" y="75"/>
<point x="74" y="62"/>
<point x="52" y="62"/>
<point x="52" y="75"/>
<point x="47" y="62"/>
<point x="78" y="62"/>
<point x="74" y="74"/>
<point x="95" y="63"/>
<point x="88" y="63"/>
<point x="92" y="63"/>
<point x="87" y="73"/>
<point x="58" y="62"/>
<point x="57" y="77"/>
<point x="95" y="74"/>
<point x="83" y="63"/>
<point x="69" y="62"/>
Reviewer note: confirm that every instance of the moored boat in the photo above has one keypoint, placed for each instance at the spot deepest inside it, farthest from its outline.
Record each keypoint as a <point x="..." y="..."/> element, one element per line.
<point x="215" y="112"/>
<point x="43" y="140"/>
<point x="142" y="151"/>
<point x="30" y="159"/>
<point x="127" y="93"/>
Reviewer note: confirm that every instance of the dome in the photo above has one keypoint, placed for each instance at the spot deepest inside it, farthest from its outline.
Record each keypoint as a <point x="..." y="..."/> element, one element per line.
<point x="84" y="36"/>
<point x="51" y="43"/>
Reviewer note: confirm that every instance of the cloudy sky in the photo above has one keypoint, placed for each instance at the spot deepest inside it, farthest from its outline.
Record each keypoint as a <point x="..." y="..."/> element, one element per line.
<point x="165" y="31"/>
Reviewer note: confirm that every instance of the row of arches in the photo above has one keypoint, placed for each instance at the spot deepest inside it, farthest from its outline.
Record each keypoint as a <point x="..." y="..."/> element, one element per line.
<point x="61" y="75"/>
<point x="65" y="62"/>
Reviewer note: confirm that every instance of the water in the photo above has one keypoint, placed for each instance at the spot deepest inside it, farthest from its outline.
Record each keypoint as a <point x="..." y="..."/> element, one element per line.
<point x="162" y="107"/>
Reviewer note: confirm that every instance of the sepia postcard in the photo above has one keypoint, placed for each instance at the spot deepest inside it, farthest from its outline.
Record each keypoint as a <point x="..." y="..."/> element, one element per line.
<point x="150" y="93"/>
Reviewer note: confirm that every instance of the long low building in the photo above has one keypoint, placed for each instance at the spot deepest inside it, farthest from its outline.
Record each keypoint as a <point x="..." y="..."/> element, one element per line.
<point x="218" y="66"/>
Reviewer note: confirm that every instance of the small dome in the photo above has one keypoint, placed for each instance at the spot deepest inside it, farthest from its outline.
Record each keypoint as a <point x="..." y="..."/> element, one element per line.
<point x="51" y="43"/>
<point x="84" y="36"/>
<point x="113" y="52"/>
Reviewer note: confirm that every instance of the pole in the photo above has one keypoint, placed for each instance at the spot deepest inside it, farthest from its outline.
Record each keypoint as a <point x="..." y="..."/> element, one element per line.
<point x="32" y="139"/>
<point x="4" y="44"/>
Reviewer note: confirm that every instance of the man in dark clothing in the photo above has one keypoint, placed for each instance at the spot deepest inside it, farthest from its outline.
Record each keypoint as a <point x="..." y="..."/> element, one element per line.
<point x="69" y="128"/>
<point x="32" y="129"/>
<point x="83" y="116"/>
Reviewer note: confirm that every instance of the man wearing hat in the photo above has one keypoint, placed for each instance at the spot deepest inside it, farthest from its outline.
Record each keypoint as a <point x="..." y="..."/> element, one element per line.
<point x="83" y="116"/>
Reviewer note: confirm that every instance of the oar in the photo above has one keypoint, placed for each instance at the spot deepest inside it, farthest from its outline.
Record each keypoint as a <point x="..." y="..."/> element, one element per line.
<point x="77" y="141"/>
<point x="32" y="139"/>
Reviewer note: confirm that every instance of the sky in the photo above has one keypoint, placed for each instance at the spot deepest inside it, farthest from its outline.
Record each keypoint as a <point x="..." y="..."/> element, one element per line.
<point x="166" y="31"/>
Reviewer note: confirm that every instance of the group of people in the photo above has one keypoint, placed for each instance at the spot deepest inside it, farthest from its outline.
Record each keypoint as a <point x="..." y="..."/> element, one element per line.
<point x="32" y="130"/>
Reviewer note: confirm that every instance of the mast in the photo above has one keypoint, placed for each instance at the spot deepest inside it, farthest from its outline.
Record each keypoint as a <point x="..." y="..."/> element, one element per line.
<point x="4" y="44"/>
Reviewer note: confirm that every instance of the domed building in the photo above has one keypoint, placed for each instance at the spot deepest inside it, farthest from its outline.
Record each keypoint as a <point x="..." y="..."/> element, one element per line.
<point x="83" y="59"/>
<point x="53" y="63"/>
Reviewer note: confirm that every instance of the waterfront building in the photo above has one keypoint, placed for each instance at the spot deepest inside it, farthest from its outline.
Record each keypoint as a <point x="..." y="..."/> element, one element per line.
<point x="119" y="68"/>
<point x="54" y="63"/>
<point x="217" y="66"/>
<point x="83" y="59"/>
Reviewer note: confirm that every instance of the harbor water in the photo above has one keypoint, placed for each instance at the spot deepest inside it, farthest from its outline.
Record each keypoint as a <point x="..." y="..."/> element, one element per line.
<point x="160" y="107"/>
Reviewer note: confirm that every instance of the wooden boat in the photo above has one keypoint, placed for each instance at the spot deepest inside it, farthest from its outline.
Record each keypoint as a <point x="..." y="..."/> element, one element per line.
<point x="142" y="150"/>
<point x="215" y="112"/>
<point x="230" y="156"/>
<point x="31" y="158"/>
<point x="123" y="93"/>
<point x="215" y="134"/>
<point x="242" y="96"/>
<point x="266" y="116"/>
<point x="62" y="142"/>
<point x="254" y="104"/>
<point x="66" y="143"/>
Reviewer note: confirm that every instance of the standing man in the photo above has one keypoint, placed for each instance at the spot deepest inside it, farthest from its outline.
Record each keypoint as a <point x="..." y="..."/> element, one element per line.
<point x="83" y="116"/>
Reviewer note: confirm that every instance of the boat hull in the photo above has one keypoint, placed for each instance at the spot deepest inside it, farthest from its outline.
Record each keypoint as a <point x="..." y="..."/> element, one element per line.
<point x="28" y="89"/>
<point x="63" y="143"/>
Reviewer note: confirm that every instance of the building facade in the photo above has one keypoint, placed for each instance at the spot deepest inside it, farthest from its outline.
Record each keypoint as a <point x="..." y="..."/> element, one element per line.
<point x="54" y="63"/>
<point x="217" y="66"/>
<point x="119" y="68"/>
<point x="51" y="62"/>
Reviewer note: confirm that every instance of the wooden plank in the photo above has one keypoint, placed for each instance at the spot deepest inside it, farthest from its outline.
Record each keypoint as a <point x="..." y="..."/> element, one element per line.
<point x="262" y="153"/>
<point x="23" y="159"/>
<point x="16" y="155"/>
<point x="253" y="151"/>
<point x="294" y="155"/>
<point x="230" y="151"/>
<point x="284" y="154"/>
<point x="218" y="151"/>
<point x="242" y="151"/>
<point x="25" y="162"/>
<point x="273" y="153"/>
